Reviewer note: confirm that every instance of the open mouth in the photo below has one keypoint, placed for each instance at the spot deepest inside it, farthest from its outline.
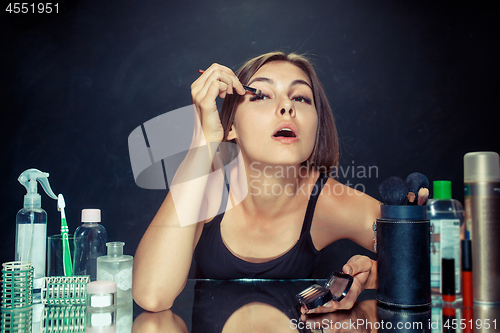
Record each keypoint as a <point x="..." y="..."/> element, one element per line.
<point x="285" y="132"/>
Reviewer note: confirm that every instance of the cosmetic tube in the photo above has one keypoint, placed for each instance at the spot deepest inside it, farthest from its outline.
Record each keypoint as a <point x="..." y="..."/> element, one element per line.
<point x="448" y="278"/>
<point x="467" y="273"/>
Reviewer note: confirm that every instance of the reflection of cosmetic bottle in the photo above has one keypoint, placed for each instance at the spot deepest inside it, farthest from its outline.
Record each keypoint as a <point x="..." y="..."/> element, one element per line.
<point x="125" y="317"/>
<point x="468" y="316"/>
<point x="449" y="318"/>
<point x="482" y="196"/>
<point x="485" y="313"/>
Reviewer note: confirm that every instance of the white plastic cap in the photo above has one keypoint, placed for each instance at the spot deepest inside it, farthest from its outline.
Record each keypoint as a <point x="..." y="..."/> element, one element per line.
<point x="482" y="166"/>
<point x="91" y="215"/>
<point x="101" y="294"/>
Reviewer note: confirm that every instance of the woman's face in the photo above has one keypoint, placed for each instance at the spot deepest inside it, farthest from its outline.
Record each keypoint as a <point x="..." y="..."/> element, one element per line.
<point x="278" y="127"/>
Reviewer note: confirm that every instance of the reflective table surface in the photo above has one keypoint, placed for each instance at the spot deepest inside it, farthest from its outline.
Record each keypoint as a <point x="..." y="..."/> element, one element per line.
<point x="253" y="306"/>
<point x="271" y="306"/>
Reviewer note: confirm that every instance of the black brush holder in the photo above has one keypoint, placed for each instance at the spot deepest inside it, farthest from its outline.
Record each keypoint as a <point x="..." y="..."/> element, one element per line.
<point x="403" y="256"/>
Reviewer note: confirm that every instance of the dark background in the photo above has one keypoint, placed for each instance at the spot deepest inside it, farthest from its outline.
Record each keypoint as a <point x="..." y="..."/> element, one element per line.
<point x="412" y="85"/>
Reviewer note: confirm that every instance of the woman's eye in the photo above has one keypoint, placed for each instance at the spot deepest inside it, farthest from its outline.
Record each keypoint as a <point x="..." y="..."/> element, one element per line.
<point x="258" y="97"/>
<point x="302" y="99"/>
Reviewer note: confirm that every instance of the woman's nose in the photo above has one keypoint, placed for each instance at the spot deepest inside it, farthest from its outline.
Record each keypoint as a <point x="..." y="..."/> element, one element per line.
<point x="286" y="109"/>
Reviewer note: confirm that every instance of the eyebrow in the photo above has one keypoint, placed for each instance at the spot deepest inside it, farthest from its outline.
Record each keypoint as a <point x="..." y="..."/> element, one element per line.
<point x="271" y="81"/>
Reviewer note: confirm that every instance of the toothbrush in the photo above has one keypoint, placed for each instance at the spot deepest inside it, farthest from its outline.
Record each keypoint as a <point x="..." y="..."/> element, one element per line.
<point x="247" y="88"/>
<point x="68" y="270"/>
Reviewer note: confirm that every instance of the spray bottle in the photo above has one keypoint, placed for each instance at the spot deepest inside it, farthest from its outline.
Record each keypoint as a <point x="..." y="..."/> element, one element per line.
<point x="482" y="204"/>
<point x="31" y="224"/>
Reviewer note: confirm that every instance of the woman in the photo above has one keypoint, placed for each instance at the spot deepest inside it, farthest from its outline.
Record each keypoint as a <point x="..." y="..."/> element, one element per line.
<point x="288" y="144"/>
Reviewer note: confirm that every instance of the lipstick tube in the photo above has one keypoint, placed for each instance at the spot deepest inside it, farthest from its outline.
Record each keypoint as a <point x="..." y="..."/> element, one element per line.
<point x="448" y="279"/>
<point x="468" y="299"/>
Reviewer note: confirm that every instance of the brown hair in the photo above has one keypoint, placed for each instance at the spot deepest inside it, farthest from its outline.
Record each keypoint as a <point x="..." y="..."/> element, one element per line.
<point x="325" y="154"/>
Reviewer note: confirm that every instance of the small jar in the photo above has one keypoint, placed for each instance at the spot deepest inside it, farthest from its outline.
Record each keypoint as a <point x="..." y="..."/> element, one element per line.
<point x="101" y="294"/>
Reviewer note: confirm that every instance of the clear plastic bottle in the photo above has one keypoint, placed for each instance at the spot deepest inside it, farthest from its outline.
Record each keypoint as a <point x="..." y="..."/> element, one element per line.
<point x="118" y="268"/>
<point x="447" y="217"/>
<point x="94" y="239"/>
<point x="31" y="225"/>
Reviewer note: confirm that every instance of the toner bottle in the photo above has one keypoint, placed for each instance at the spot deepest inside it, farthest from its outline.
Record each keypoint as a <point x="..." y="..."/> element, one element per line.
<point x="446" y="216"/>
<point x="94" y="236"/>
<point x="117" y="267"/>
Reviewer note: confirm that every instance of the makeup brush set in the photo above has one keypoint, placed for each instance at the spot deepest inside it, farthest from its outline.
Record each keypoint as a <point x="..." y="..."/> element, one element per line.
<point x="412" y="191"/>
<point x="402" y="243"/>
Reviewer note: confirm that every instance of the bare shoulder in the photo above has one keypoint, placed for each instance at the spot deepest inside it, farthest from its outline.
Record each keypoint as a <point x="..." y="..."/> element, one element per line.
<point x="343" y="212"/>
<point x="343" y="197"/>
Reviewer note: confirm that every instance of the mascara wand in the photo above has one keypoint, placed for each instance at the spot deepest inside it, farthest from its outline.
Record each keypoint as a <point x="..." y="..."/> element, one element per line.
<point x="247" y="88"/>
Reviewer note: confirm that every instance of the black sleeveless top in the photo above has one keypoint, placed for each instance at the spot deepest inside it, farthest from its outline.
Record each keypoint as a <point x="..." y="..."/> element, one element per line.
<point x="215" y="261"/>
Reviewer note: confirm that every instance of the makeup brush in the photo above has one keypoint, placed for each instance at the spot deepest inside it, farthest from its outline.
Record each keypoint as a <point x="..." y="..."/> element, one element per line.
<point x="423" y="194"/>
<point x="247" y="88"/>
<point x="394" y="191"/>
<point x="418" y="185"/>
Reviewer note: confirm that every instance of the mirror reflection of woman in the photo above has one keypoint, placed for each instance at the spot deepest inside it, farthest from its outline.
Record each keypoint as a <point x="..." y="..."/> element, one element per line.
<point x="255" y="306"/>
<point x="293" y="209"/>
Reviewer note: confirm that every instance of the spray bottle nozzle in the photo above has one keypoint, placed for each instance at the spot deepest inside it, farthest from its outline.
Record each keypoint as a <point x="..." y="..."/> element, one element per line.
<point x="29" y="180"/>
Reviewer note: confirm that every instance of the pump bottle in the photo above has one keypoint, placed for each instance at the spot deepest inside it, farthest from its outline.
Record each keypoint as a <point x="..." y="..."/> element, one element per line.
<point x="31" y="225"/>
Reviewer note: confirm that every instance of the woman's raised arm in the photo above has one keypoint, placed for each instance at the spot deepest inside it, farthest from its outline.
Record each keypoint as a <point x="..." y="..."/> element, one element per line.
<point x="163" y="257"/>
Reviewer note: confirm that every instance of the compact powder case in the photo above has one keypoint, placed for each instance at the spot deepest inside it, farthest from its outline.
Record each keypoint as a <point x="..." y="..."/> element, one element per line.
<point x="336" y="288"/>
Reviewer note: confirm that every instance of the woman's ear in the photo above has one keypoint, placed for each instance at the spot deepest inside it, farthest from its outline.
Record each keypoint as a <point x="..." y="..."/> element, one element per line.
<point x="232" y="133"/>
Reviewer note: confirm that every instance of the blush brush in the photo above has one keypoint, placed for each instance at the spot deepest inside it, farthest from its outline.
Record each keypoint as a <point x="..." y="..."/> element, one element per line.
<point x="394" y="191"/>
<point x="247" y="88"/>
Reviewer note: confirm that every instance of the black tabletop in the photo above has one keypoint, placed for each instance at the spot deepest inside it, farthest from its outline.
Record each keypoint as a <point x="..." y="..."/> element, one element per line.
<point x="250" y="305"/>
<point x="271" y="306"/>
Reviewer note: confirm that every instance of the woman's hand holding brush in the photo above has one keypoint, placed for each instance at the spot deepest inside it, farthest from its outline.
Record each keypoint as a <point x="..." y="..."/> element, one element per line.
<point x="217" y="80"/>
